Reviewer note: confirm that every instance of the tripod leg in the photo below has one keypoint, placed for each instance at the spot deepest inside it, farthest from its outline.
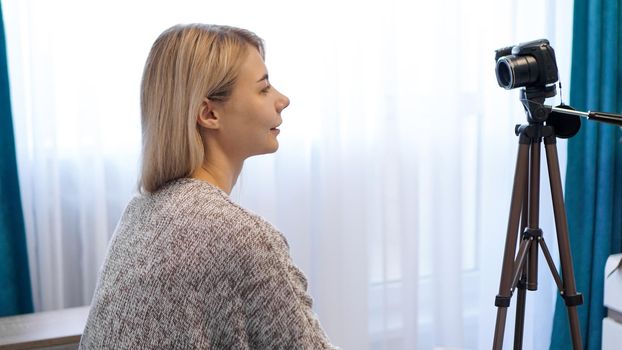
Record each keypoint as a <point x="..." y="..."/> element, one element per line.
<point x="534" y="213"/>
<point x="502" y="300"/>
<point x="529" y="279"/>
<point x="569" y="292"/>
<point x="519" y="323"/>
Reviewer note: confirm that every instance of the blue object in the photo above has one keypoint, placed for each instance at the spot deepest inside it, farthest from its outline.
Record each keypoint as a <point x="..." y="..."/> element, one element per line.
<point x="15" y="292"/>
<point x="594" y="172"/>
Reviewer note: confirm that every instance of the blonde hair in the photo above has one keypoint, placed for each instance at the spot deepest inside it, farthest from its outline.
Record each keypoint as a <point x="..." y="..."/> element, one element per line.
<point x="186" y="64"/>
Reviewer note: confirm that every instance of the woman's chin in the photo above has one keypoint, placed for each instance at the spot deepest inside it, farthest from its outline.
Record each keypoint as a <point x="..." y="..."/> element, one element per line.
<point x="273" y="147"/>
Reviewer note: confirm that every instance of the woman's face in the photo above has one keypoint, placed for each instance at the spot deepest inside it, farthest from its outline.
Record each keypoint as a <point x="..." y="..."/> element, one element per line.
<point x="249" y="119"/>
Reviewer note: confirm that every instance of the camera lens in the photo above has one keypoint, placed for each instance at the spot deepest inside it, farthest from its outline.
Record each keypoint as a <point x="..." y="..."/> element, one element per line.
<point x="504" y="75"/>
<point x="514" y="71"/>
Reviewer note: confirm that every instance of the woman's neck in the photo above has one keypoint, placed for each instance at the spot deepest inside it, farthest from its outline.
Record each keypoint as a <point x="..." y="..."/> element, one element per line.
<point x="219" y="171"/>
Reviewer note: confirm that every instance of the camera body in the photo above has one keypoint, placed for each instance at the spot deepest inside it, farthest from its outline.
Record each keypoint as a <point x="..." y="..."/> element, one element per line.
<point x="530" y="64"/>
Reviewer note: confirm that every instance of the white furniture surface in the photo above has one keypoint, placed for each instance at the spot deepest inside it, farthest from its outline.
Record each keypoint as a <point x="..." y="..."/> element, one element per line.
<point x="59" y="329"/>
<point x="612" y="324"/>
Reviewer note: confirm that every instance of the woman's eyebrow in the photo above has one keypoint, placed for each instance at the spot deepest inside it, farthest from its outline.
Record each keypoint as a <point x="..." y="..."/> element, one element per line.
<point x="264" y="77"/>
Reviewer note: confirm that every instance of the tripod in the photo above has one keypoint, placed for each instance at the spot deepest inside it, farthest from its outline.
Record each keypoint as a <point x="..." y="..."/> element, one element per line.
<point x="522" y="271"/>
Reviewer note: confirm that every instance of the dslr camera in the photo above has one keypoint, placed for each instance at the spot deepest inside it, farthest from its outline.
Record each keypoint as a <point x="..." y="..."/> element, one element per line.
<point x="531" y="64"/>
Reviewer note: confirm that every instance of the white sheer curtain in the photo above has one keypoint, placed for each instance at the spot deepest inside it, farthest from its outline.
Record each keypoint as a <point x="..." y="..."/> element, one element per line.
<point x="397" y="154"/>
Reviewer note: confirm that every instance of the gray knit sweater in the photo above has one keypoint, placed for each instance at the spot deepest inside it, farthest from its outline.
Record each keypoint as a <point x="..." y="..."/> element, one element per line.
<point x="187" y="268"/>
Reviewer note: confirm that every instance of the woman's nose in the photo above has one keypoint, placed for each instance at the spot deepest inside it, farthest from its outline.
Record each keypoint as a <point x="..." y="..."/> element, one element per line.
<point x="282" y="102"/>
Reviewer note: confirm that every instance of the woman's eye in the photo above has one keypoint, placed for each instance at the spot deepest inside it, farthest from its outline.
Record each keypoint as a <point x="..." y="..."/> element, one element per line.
<point x="266" y="89"/>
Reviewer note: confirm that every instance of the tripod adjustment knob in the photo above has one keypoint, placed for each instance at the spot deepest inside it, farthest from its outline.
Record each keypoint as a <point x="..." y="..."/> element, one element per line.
<point x="534" y="233"/>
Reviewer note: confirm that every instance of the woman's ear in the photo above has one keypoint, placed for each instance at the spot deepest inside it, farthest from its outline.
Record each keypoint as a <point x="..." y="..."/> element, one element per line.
<point x="208" y="116"/>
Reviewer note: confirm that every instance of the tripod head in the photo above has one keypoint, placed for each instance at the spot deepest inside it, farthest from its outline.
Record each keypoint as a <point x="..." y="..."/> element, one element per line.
<point x="537" y="112"/>
<point x="565" y="120"/>
<point x="533" y="102"/>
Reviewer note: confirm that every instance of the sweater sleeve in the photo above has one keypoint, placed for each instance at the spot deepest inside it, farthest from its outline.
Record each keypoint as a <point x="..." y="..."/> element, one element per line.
<point x="274" y="294"/>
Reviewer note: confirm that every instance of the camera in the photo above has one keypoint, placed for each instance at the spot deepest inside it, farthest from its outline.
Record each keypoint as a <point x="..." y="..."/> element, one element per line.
<point x="531" y="64"/>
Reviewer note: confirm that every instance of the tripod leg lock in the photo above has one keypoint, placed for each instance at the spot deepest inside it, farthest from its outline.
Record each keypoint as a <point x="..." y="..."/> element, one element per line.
<point x="573" y="300"/>
<point x="522" y="284"/>
<point x="501" y="301"/>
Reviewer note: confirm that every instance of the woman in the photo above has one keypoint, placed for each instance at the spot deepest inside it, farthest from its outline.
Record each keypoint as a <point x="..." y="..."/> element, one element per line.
<point x="187" y="267"/>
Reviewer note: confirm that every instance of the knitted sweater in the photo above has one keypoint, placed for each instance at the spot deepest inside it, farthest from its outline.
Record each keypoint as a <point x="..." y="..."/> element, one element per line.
<point x="187" y="268"/>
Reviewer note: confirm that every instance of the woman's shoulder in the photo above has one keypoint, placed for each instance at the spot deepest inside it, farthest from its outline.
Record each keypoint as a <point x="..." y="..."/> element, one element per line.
<point x="192" y="218"/>
<point x="183" y="198"/>
<point x="198" y="205"/>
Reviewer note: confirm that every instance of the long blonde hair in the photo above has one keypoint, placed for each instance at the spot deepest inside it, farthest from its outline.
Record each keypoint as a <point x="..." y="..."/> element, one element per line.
<point x="186" y="64"/>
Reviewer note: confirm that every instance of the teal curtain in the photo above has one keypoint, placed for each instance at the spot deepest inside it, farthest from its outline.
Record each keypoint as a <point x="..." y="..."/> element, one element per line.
<point x="594" y="172"/>
<point x="15" y="293"/>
